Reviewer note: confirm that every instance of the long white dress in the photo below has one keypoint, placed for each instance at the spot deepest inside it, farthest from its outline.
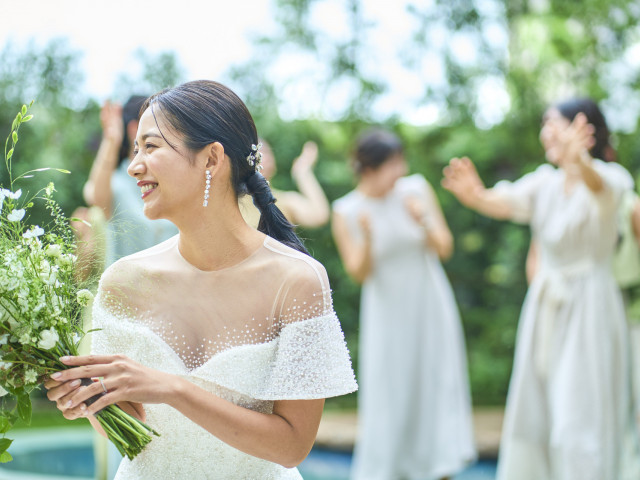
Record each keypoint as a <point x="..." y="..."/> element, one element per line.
<point x="259" y="331"/>
<point x="414" y="407"/>
<point x="568" y="414"/>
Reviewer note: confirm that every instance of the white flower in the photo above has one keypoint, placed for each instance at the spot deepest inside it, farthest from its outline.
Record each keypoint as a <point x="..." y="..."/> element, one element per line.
<point x="31" y="376"/>
<point x="25" y="338"/>
<point x="3" y="341"/>
<point x="84" y="297"/>
<point x="53" y="250"/>
<point x="48" y="339"/>
<point x="16" y="215"/>
<point x="66" y="259"/>
<point x="9" y="194"/>
<point x="33" y="233"/>
<point x="50" y="189"/>
<point x="5" y="365"/>
<point x="3" y="392"/>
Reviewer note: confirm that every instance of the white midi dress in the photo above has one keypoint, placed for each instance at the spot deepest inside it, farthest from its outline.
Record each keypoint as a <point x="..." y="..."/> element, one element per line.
<point x="414" y="406"/>
<point x="568" y="413"/>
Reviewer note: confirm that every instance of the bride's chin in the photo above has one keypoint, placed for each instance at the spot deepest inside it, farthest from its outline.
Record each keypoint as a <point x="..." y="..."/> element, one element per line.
<point x="151" y="213"/>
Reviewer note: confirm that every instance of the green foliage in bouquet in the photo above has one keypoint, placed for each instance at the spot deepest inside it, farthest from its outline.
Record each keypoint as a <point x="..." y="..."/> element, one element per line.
<point x="41" y="304"/>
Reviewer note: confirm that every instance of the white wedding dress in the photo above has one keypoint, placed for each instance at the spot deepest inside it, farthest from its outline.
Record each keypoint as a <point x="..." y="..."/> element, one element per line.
<point x="259" y="331"/>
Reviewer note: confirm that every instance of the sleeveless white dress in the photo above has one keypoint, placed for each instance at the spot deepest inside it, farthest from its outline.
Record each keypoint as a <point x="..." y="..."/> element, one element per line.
<point x="569" y="413"/>
<point x="414" y="406"/>
<point x="259" y="331"/>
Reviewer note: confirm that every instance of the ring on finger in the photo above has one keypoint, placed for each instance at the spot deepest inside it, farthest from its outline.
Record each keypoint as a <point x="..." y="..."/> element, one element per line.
<point x="102" y="383"/>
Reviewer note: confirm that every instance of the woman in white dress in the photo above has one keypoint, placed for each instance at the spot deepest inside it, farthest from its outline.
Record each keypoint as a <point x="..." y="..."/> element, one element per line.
<point x="222" y="338"/>
<point x="414" y="408"/>
<point x="568" y="414"/>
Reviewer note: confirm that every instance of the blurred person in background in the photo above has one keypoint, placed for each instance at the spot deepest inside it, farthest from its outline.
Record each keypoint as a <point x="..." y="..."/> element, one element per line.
<point x="307" y="207"/>
<point x="626" y="257"/>
<point x="569" y="412"/>
<point x="414" y="404"/>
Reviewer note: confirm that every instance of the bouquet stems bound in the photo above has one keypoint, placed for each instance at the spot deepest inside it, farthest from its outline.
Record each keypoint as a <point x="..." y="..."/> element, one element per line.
<point x="41" y="305"/>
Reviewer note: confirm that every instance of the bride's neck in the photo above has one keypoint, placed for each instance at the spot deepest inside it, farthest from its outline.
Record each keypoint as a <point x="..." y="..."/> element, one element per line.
<point x="216" y="241"/>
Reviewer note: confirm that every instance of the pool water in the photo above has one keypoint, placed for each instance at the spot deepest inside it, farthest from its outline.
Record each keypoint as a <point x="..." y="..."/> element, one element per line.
<point x="67" y="454"/>
<point x="324" y="464"/>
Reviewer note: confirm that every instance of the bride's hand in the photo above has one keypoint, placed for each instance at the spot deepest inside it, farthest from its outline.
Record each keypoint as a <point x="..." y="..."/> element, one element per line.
<point x="60" y="393"/>
<point x="124" y="380"/>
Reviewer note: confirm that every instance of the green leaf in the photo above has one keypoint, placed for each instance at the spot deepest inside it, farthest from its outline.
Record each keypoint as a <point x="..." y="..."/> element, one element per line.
<point x="5" y="443"/>
<point x="24" y="408"/>
<point x="44" y="169"/>
<point x="5" y="457"/>
<point x="10" y="154"/>
<point x="24" y="110"/>
<point x="14" y="135"/>
<point x="27" y="118"/>
<point x="5" y="424"/>
<point x="76" y="219"/>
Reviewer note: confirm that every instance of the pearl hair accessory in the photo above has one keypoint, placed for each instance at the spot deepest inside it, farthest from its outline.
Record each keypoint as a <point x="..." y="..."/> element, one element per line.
<point x="254" y="158"/>
<point x="206" y="188"/>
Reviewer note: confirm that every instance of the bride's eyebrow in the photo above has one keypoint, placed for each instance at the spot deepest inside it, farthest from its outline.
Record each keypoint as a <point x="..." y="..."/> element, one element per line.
<point x="148" y="135"/>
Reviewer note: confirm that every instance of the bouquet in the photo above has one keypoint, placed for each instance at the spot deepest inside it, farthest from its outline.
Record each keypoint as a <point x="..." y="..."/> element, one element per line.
<point x="40" y="307"/>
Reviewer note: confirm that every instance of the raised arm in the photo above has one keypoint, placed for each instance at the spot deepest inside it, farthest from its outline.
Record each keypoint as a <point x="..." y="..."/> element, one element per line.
<point x="461" y="178"/>
<point x="356" y="256"/>
<point x="309" y="206"/>
<point x="97" y="189"/>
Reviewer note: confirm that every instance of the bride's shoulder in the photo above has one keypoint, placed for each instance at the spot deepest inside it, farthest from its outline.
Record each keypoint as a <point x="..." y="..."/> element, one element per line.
<point x="128" y="273"/>
<point x="296" y="268"/>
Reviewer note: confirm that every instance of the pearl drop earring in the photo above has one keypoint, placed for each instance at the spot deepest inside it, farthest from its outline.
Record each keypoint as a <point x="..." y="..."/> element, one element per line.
<point x="206" y="188"/>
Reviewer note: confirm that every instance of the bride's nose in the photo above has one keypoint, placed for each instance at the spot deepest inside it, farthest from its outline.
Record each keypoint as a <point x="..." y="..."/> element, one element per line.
<point x="136" y="167"/>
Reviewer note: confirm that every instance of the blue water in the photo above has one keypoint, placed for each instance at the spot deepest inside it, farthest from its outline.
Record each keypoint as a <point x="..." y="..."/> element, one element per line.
<point x="69" y="455"/>
<point x="324" y="464"/>
<point x="72" y="462"/>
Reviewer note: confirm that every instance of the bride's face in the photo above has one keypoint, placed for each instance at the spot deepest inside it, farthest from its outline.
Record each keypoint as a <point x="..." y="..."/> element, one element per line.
<point x="169" y="184"/>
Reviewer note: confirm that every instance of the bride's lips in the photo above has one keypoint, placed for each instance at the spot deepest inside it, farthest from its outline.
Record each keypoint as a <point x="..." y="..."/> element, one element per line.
<point x="146" y="187"/>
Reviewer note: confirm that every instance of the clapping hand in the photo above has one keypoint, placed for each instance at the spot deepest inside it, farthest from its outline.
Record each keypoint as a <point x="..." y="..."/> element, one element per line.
<point x="416" y="210"/>
<point x="111" y="121"/>
<point x="461" y="178"/>
<point x="576" y="140"/>
<point x="306" y="160"/>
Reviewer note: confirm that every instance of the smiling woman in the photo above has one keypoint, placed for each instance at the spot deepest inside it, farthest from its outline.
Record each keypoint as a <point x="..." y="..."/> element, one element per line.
<point x="224" y="337"/>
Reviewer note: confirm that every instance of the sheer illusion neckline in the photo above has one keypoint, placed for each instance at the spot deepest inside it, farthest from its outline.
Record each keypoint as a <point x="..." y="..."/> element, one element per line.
<point x="248" y="258"/>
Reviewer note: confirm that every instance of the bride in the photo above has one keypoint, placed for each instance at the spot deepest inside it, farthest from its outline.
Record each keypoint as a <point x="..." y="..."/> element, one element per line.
<point x="222" y="338"/>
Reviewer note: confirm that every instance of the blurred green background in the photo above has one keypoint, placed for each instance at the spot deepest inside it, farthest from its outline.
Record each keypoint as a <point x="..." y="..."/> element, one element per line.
<point x="553" y="49"/>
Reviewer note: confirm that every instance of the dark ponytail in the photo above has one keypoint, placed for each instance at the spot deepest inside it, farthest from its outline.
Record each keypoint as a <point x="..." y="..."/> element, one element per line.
<point x="204" y="112"/>
<point x="272" y="221"/>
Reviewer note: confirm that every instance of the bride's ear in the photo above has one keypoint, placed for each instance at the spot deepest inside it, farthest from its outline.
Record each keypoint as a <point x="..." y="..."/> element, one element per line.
<point x="214" y="157"/>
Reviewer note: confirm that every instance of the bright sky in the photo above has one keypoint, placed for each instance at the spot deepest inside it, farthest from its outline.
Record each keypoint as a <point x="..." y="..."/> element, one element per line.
<point x="209" y="36"/>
